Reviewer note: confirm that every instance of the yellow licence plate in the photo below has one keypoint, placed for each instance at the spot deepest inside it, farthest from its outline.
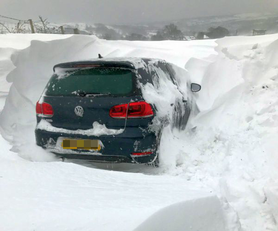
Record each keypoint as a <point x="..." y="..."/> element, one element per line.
<point x="81" y="144"/>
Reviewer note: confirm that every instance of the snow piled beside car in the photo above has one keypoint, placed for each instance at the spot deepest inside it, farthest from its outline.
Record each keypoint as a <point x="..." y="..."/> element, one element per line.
<point x="219" y="174"/>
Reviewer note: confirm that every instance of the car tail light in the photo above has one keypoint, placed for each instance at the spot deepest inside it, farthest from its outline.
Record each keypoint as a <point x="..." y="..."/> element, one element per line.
<point x="141" y="154"/>
<point x="132" y="110"/>
<point x="118" y="111"/>
<point x="44" y="109"/>
<point x="38" y="108"/>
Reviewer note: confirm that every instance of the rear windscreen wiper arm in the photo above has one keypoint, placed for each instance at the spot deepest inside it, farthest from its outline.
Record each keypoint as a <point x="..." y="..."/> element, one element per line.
<point x="83" y="94"/>
<point x="95" y="94"/>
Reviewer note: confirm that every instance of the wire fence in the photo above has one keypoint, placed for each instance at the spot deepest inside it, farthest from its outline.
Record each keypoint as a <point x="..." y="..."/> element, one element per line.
<point x="15" y="25"/>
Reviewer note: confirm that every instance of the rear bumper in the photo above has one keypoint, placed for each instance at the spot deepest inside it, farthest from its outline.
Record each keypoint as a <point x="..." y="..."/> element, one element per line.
<point x="116" y="148"/>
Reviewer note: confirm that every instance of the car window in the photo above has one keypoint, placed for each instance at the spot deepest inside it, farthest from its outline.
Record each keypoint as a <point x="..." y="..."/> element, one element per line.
<point x="110" y="81"/>
<point x="171" y="73"/>
<point x="163" y="67"/>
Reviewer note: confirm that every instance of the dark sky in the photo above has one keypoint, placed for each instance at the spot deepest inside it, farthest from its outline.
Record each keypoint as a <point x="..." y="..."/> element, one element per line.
<point x="130" y="11"/>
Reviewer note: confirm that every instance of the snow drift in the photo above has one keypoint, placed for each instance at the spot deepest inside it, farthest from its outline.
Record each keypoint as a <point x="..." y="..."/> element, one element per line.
<point x="231" y="150"/>
<point x="201" y="214"/>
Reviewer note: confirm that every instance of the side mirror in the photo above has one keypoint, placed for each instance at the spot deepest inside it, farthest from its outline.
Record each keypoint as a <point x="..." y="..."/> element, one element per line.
<point x="195" y="87"/>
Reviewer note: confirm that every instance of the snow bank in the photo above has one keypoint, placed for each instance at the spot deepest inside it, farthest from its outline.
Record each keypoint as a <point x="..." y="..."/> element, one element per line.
<point x="205" y="214"/>
<point x="64" y="196"/>
<point x="10" y="44"/>
<point x="231" y="150"/>
<point x="233" y="146"/>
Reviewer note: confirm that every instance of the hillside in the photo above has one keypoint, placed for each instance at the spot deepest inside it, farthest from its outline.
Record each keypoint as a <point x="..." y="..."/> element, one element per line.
<point x="237" y="25"/>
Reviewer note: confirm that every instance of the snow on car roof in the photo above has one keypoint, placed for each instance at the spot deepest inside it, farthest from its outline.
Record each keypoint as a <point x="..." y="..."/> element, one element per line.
<point x="128" y="62"/>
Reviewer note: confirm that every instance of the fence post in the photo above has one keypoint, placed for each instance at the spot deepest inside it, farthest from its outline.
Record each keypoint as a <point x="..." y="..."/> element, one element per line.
<point x="62" y="30"/>
<point x="32" y="26"/>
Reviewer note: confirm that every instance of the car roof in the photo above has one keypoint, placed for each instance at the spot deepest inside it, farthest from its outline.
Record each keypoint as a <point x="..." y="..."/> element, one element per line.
<point x="125" y="62"/>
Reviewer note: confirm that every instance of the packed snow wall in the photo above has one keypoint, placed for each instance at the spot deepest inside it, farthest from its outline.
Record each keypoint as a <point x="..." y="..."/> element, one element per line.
<point x="232" y="148"/>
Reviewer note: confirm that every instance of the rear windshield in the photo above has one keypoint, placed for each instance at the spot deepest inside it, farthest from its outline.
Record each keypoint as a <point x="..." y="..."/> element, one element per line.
<point x="104" y="81"/>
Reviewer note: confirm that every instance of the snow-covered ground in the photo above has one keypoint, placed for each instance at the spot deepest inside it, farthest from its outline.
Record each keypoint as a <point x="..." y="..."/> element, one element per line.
<point x="222" y="175"/>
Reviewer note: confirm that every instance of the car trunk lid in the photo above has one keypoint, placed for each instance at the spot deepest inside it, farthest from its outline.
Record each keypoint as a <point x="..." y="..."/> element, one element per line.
<point x="81" y="97"/>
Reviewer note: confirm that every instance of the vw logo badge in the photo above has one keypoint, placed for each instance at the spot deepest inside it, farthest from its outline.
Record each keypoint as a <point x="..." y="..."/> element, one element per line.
<point x="79" y="111"/>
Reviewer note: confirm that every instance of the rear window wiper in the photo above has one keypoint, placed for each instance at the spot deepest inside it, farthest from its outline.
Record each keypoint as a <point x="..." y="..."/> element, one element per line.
<point x="96" y="94"/>
<point x="85" y="94"/>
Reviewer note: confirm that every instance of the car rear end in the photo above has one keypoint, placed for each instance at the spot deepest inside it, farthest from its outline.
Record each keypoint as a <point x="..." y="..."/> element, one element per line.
<point x="95" y="111"/>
